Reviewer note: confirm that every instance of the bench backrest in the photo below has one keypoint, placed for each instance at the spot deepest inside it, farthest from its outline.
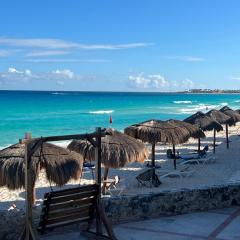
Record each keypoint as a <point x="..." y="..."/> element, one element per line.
<point x="69" y="206"/>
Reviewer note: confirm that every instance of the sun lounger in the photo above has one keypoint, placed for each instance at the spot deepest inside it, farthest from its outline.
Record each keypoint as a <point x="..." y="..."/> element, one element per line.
<point x="181" y="173"/>
<point x="188" y="156"/>
<point x="88" y="165"/>
<point x="199" y="160"/>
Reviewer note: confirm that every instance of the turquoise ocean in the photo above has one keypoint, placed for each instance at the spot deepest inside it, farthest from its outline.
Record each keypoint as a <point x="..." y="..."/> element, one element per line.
<point x="55" y="113"/>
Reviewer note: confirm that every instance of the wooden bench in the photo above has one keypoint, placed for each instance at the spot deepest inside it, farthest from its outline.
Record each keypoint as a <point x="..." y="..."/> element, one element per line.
<point x="70" y="206"/>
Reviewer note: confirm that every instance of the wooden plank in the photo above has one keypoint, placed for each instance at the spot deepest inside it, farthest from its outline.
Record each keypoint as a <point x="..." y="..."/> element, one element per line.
<point x="72" y="204"/>
<point x="71" y="217"/>
<point x="67" y="137"/>
<point x="68" y="198"/>
<point x="76" y="221"/>
<point x="92" y="141"/>
<point x="73" y="190"/>
<point x="66" y="212"/>
<point x="34" y="146"/>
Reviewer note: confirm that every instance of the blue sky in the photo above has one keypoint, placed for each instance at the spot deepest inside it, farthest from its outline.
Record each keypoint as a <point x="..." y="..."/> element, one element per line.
<point x="147" y="45"/>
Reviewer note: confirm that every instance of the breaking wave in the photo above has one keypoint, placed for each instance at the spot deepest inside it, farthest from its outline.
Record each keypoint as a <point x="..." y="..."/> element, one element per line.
<point x="102" y="112"/>
<point x="185" y="102"/>
<point x="199" y="107"/>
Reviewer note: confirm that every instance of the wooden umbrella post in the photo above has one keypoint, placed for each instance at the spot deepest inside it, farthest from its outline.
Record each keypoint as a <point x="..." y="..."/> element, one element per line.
<point x="28" y="136"/>
<point x="199" y="144"/>
<point x="227" y="140"/>
<point x="153" y="155"/>
<point x="174" y="157"/>
<point x="29" y="186"/>
<point x="98" y="178"/>
<point x="214" y="140"/>
<point x="153" y="161"/>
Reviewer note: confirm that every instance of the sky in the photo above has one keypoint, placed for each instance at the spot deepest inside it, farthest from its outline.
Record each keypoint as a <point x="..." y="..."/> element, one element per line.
<point x="137" y="45"/>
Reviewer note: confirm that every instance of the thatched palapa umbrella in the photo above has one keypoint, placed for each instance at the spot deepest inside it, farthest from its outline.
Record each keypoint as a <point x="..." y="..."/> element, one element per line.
<point x="238" y="111"/>
<point x="205" y="123"/>
<point x="235" y="116"/>
<point x="60" y="165"/>
<point x="222" y="119"/>
<point x="194" y="131"/>
<point x="231" y="113"/>
<point x="154" y="131"/>
<point x="117" y="150"/>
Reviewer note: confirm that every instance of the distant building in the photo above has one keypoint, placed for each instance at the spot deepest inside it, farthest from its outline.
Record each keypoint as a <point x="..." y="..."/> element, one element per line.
<point x="200" y="90"/>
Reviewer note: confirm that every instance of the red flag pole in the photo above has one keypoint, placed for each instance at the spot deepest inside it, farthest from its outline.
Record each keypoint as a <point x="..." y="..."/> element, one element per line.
<point x="110" y="119"/>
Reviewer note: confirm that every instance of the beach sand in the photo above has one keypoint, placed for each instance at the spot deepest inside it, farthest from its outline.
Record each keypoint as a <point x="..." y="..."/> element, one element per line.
<point x="225" y="169"/>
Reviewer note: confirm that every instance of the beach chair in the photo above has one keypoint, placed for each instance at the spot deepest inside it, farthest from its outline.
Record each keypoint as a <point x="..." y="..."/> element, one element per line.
<point x="89" y="167"/>
<point x="181" y="173"/>
<point x="112" y="186"/>
<point x="80" y="205"/>
<point x="149" y="178"/>
<point x="170" y="155"/>
<point x="205" y="159"/>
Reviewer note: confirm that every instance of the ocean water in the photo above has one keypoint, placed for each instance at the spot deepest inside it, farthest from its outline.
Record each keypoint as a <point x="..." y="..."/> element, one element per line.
<point x="55" y="113"/>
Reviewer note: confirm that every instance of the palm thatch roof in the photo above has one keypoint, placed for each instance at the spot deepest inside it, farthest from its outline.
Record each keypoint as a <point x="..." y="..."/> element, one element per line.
<point x="117" y="149"/>
<point x="231" y="113"/>
<point x="238" y="111"/>
<point x="60" y="165"/>
<point x="194" y="131"/>
<point x="220" y="117"/>
<point x="204" y="122"/>
<point x="154" y="131"/>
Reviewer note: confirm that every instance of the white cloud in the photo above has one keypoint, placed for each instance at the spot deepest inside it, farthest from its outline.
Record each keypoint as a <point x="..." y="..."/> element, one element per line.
<point x="158" y="82"/>
<point x="15" y="75"/>
<point x="64" y="73"/>
<point x="4" y="53"/>
<point x="49" y="43"/>
<point x="186" y="58"/>
<point x="188" y="84"/>
<point x="28" y="72"/>
<point x="61" y="60"/>
<point x="13" y="70"/>
<point x="46" y="53"/>
<point x="235" y="78"/>
<point x="149" y="81"/>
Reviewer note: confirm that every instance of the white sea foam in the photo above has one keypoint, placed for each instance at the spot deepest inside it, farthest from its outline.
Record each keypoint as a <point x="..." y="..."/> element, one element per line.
<point x="5" y="146"/>
<point x="58" y="93"/>
<point x="237" y="101"/>
<point x="102" y="112"/>
<point x="63" y="144"/>
<point x="194" y="108"/>
<point x="184" y="102"/>
<point x="224" y="104"/>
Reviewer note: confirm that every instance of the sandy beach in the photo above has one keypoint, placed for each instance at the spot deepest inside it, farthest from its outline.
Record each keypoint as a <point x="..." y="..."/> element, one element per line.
<point x="224" y="169"/>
